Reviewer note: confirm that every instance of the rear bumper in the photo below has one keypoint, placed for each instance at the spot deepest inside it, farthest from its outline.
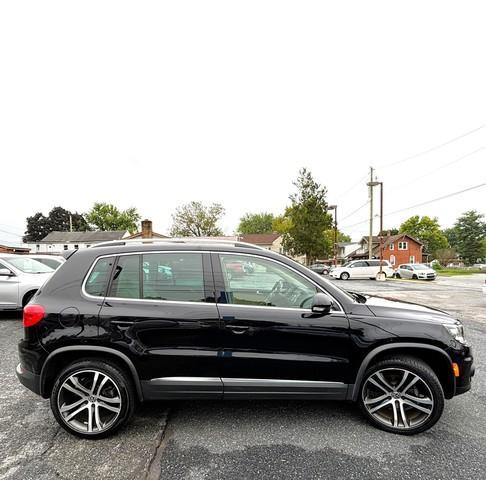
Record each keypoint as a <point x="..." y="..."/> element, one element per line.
<point x="28" y="379"/>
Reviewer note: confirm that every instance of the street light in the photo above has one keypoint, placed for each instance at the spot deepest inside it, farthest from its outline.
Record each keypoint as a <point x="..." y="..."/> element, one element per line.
<point x="371" y="185"/>
<point x="334" y="207"/>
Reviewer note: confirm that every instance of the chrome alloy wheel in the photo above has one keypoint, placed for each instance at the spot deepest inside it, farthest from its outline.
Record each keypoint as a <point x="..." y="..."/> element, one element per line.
<point x="89" y="401"/>
<point x="397" y="398"/>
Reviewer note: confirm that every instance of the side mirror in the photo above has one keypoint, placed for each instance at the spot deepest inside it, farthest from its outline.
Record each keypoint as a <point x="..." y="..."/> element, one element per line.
<point x="5" y="272"/>
<point x="321" y="304"/>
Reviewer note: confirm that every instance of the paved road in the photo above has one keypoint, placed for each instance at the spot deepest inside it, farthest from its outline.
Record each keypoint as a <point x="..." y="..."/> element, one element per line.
<point x="259" y="439"/>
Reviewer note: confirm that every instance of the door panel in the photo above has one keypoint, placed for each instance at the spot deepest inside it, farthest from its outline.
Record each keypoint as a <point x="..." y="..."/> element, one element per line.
<point x="9" y="290"/>
<point x="167" y="318"/>
<point x="275" y="342"/>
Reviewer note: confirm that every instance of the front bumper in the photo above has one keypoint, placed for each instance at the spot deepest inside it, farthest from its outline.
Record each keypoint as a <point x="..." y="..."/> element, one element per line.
<point x="463" y="382"/>
<point x="28" y="379"/>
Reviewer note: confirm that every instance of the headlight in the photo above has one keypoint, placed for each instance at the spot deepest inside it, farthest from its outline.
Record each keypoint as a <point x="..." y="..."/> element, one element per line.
<point x="457" y="332"/>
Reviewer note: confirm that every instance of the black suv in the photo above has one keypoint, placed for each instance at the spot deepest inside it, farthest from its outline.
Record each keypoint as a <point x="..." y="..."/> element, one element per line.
<point x="130" y="322"/>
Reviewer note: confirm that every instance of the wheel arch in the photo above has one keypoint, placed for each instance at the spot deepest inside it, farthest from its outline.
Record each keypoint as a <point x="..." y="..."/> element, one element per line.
<point x="61" y="357"/>
<point x="29" y="293"/>
<point x="435" y="357"/>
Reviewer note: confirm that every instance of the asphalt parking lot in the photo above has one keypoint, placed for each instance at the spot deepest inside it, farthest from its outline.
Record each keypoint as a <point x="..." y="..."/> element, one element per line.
<point x="256" y="439"/>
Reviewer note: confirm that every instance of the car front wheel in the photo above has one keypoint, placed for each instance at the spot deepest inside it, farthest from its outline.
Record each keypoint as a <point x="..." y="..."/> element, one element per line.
<point x="92" y="399"/>
<point x="344" y="276"/>
<point x="402" y="395"/>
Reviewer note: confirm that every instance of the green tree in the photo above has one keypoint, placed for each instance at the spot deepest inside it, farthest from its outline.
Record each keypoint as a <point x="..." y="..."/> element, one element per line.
<point x="391" y="231"/>
<point x="59" y="219"/>
<point x="256" y="223"/>
<point x="197" y="220"/>
<point x="467" y="236"/>
<point x="105" y="216"/>
<point x="445" y="255"/>
<point x="308" y="219"/>
<point x="281" y="224"/>
<point x="427" y="230"/>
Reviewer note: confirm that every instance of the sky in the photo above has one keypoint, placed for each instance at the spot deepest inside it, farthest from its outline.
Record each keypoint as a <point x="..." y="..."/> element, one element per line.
<point x="155" y="104"/>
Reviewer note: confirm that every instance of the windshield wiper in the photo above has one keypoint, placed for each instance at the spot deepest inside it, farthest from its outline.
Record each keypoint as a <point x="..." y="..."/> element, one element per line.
<point x="360" y="298"/>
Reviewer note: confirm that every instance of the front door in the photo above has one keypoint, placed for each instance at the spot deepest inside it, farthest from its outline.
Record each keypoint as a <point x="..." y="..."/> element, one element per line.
<point x="161" y="306"/>
<point x="273" y="345"/>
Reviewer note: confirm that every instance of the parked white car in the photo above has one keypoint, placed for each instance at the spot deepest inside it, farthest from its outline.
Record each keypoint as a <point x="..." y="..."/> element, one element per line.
<point x="361" y="269"/>
<point x="415" y="271"/>
<point x="52" y="261"/>
<point x="20" y="277"/>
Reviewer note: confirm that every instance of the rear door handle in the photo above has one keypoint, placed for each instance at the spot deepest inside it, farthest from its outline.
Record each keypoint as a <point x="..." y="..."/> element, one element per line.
<point x="238" y="329"/>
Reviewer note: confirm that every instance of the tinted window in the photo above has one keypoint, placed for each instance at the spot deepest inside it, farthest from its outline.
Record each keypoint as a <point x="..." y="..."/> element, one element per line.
<point x="256" y="281"/>
<point x="126" y="278"/>
<point x="359" y="264"/>
<point x="98" y="278"/>
<point x="374" y="263"/>
<point x="173" y="276"/>
<point x="50" y="262"/>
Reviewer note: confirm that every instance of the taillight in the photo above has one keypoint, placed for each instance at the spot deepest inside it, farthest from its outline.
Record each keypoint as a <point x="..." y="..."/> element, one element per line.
<point x="33" y="314"/>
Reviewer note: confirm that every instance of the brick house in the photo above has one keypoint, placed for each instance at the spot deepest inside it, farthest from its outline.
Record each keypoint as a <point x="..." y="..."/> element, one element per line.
<point x="397" y="249"/>
<point x="13" y="249"/>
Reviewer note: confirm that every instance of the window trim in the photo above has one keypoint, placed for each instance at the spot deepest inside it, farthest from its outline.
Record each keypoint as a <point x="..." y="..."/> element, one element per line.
<point x="392" y="246"/>
<point x="406" y="246"/>
<point x="143" y="300"/>
<point x="220" y="272"/>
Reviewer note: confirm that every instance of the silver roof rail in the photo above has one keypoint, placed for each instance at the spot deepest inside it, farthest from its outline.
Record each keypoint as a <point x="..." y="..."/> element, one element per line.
<point x="169" y="241"/>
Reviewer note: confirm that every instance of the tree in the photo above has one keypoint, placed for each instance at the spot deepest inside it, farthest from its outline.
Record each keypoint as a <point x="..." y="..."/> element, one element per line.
<point x="391" y="231"/>
<point x="105" y="216"/>
<point x="308" y="219"/>
<point x="445" y="255"/>
<point x="197" y="220"/>
<point x="59" y="219"/>
<point x="281" y="224"/>
<point x="467" y="236"/>
<point x="426" y="230"/>
<point x="256" y="223"/>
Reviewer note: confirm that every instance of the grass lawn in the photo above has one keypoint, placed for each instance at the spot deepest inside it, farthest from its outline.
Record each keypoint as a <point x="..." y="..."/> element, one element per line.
<point x="452" y="272"/>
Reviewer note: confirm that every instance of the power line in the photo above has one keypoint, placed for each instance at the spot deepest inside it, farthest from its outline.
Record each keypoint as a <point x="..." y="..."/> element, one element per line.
<point x="443" y="197"/>
<point x="436" y="147"/>
<point x="359" y="182"/>
<point x="10" y="233"/>
<point x="355" y="211"/>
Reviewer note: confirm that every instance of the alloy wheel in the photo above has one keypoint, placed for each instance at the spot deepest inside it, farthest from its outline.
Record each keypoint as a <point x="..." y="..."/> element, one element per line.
<point x="398" y="398"/>
<point x="89" y="401"/>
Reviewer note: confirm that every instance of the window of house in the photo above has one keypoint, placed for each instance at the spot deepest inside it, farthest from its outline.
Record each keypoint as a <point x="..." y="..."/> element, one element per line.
<point x="65" y="247"/>
<point x="98" y="278"/>
<point x="392" y="259"/>
<point x="392" y="246"/>
<point x="76" y="247"/>
<point x="402" y="245"/>
<point x="261" y="282"/>
<point x="412" y="259"/>
<point x="37" y="247"/>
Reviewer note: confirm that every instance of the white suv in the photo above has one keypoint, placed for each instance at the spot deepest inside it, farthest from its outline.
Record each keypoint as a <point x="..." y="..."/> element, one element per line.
<point x="20" y="277"/>
<point x="361" y="269"/>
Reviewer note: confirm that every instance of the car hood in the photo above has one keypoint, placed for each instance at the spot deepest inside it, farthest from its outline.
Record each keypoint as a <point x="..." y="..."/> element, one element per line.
<point x="392" y="308"/>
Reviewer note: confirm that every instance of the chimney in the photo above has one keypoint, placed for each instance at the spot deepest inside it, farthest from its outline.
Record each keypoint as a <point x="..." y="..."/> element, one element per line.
<point x="147" y="229"/>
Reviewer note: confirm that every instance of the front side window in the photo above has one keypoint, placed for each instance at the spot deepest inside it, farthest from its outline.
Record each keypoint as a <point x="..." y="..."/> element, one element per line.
<point x="358" y="264"/>
<point x="257" y="281"/>
<point x="28" y="265"/>
<point x="126" y="277"/>
<point x="97" y="281"/>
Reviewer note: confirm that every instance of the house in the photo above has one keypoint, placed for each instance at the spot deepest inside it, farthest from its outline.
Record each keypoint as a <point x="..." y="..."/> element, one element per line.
<point x="146" y="232"/>
<point x="14" y="249"/>
<point x="56" y="242"/>
<point x="269" y="241"/>
<point x="397" y="249"/>
<point x="344" y="249"/>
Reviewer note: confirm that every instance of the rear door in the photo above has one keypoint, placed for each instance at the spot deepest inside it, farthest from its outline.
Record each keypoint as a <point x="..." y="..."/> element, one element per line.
<point x="359" y="269"/>
<point x="161" y="306"/>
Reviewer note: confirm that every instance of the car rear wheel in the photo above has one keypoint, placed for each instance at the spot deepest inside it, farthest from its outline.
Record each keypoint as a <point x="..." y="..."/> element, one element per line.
<point x="92" y="399"/>
<point x="402" y="395"/>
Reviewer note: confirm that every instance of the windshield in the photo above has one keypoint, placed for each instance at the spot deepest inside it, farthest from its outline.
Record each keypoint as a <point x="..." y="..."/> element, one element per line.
<point x="28" y="265"/>
<point x="420" y="267"/>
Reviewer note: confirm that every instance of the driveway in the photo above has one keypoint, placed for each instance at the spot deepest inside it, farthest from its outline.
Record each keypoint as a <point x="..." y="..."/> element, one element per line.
<point x="256" y="439"/>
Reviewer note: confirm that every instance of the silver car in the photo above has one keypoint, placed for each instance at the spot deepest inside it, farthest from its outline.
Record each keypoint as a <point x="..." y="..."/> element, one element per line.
<point x="416" y="271"/>
<point x="20" y="277"/>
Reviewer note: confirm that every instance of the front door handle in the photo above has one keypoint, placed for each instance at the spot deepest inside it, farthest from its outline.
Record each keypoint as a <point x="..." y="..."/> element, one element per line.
<point x="238" y="329"/>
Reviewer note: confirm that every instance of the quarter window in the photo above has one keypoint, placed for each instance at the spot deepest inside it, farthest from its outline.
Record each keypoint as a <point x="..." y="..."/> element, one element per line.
<point x="98" y="278"/>
<point x="257" y="281"/>
<point x="402" y="245"/>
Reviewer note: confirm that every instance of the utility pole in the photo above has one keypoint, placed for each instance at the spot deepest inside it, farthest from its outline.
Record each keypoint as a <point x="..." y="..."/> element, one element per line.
<point x="334" y="207"/>
<point x="70" y="223"/>
<point x="370" y="238"/>
<point x="371" y="185"/>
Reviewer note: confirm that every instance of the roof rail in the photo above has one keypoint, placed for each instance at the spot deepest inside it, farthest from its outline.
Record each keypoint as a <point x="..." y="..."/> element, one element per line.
<point x="184" y="240"/>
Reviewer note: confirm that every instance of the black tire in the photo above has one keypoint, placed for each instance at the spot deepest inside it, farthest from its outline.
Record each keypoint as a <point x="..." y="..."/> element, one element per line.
<point x="397" y="275"/>
<point x="28" y="297"/>
<point x="344" y="276"/>
<point x="431" y="384"/>
<point x="121" y="385"/>
<point x="414" y="277"/>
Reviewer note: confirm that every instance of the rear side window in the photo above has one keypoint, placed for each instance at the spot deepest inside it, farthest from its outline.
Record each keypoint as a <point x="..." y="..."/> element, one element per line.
<point x="159" y="276"/>
<point x="173" y="276"/>
<point x="97" y="281"/>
